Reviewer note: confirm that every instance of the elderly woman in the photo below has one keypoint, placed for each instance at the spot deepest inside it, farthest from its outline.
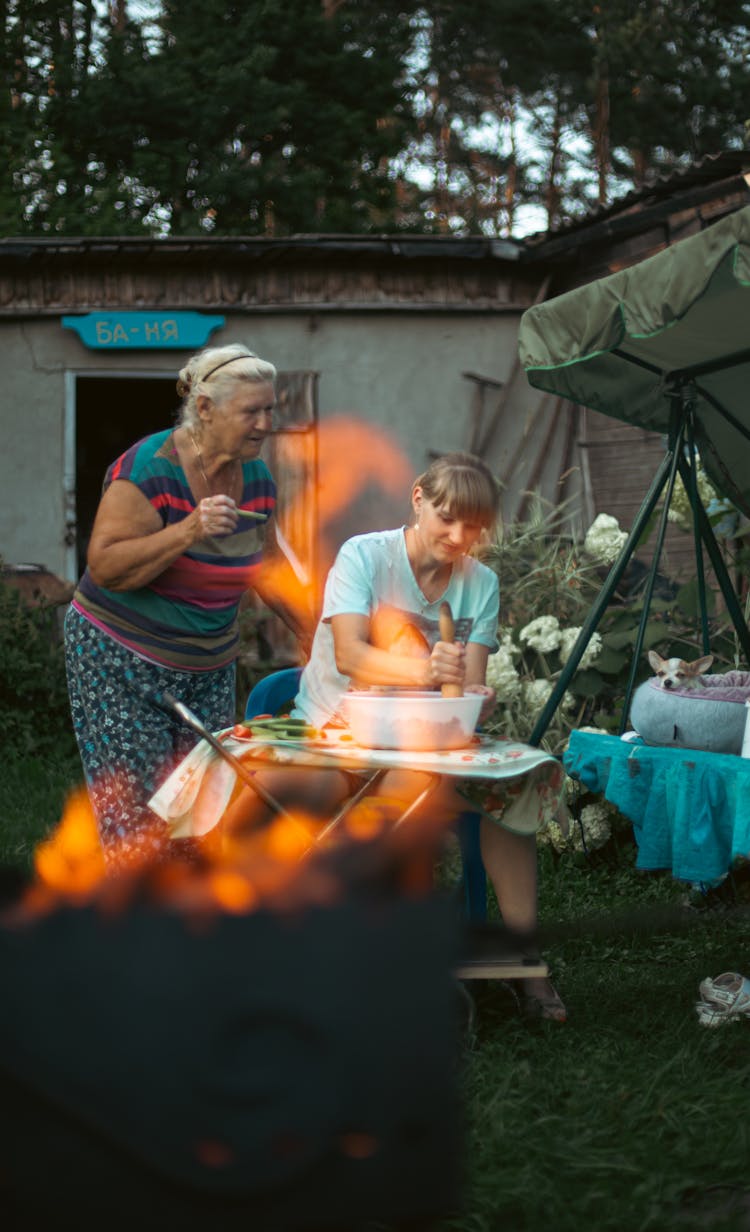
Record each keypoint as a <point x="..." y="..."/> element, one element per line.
<point x="184" y="527"/>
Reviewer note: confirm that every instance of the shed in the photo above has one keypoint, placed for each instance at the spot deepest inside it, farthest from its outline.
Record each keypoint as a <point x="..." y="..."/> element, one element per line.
<point x="380" y="331"/>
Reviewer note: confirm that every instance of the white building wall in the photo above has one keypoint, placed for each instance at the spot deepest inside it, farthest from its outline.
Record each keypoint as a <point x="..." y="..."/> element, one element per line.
<point x="398" y="370"/>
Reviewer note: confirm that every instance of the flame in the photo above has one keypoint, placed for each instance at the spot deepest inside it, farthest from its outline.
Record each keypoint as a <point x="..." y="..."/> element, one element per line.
<point x="369" y="816"/>
<point x="289" y="838"/>
<point x="232" y="891"/>
<point x="354" y="454"/>
<point x="71" y="862"/>
<point x="272" y="867"/>
<point x="226" y="872"/>
<point x="344" y="460"/>
<point x="355" y="459"/>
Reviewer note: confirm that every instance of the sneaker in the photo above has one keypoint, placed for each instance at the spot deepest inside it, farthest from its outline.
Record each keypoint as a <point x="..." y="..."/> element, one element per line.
<point x="725" y="999"/>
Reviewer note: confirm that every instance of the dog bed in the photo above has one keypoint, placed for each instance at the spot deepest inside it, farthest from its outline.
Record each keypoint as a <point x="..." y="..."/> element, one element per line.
<point x="710" y="716"/>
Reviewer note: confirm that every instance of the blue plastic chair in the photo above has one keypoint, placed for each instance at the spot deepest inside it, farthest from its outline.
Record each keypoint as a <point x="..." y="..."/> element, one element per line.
<point x="278" y="690"/>
<point x="271" y="694"/>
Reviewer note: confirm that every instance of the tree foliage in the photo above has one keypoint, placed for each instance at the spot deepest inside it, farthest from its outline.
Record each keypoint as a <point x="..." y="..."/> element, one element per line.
<point x="562" y="102"/>
<point x="281" y="116"/>
<point x="273" y="116"/>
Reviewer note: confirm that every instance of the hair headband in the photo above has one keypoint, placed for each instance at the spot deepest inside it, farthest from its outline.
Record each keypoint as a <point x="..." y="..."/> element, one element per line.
<point x="224" y="362"/>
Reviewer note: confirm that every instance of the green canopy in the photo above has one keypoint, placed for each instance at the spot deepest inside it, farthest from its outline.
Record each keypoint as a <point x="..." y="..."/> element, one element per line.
<point x="671" y="332"/>
<point x="664" y="345"/>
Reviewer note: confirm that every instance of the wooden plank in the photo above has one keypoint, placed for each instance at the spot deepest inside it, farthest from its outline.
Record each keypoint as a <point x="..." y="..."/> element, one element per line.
<point x="501" y="969"/>
<point x="490" y="953"/>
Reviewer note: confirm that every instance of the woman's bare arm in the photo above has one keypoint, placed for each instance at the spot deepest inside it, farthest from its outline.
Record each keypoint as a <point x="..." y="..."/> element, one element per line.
<point x="130" y="547"/>
<point x="476" y="663"/>
<point x="476" y="676"/>
<point x="367" y="664"/>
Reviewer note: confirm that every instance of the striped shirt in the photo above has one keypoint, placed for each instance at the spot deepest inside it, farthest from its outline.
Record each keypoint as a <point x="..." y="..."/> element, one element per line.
<point x="186" y="618"/>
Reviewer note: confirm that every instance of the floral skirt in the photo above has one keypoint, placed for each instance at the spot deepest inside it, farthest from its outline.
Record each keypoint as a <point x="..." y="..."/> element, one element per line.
<point x="128" y="744"/>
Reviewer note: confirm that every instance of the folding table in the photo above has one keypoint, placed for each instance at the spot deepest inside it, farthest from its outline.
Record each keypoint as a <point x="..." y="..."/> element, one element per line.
<point x="488" y="758"/>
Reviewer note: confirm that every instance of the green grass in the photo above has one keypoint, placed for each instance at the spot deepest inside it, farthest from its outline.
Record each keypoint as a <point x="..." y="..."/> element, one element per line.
<point x="626" y="1117"/>
<point x="32" y="797"/>
<point x="631" y="1116"/>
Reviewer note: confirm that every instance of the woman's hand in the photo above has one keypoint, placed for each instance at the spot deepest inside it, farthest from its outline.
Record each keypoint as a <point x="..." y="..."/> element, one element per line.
<point x="130" y="545"/>
<point x="489" y="702"/>
<point x="216" y="515"/>
<point x="447" y="663"/>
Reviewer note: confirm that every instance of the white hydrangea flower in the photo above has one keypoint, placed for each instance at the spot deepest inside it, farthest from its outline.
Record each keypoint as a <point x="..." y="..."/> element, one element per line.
<point x="604" y="539"/>
<point x="573" y="789"/>
<point x="591" y="831"/>
<point x="680" y="510"/>
<point x="706" y="490"/>
<point x="507" y="644"/>
<point x="568" y="639"/>
<point x="502" y="675"/>
<point x="597" y="827"/>
<point x="542" y="634"/>
<point x="551" y="835"/>
<point x="535" y="694"/>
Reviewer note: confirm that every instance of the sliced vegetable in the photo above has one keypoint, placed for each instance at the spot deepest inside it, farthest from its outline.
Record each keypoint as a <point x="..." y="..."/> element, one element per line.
<point x="242" y="731"/>
<point x="275" y="727"/>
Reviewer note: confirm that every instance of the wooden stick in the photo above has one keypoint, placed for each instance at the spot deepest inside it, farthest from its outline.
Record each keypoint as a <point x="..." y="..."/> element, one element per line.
<point x="448" y="634"/>
<point x="251" y="513"/>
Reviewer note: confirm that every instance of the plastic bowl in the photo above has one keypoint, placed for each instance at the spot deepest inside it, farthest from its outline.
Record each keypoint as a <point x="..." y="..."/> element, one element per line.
<point x="419" y="721"/>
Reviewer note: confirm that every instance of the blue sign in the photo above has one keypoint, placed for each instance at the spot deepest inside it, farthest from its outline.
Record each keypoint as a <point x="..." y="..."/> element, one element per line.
<point x="121" y="331"/>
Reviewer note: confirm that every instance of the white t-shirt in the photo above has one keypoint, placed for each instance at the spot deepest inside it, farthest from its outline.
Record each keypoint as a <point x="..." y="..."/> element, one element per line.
<point x="371" y="571"/>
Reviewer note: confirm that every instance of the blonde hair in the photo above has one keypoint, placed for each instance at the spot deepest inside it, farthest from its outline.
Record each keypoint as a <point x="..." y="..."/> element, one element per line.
<point x="215" y="373"/>
<point x="463" y="486"/>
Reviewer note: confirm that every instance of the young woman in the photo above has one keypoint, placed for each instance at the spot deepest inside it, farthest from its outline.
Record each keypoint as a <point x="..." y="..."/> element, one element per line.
<point x="380" y="626"/>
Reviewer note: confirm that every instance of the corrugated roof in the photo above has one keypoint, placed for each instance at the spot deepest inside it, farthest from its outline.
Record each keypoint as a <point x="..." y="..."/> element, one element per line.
<point x="254" y="248"/>
<point x="707" y="172"/>
<point x="693" y="183"/>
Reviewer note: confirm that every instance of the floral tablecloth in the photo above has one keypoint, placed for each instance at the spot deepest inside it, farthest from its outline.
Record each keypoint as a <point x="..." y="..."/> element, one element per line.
<point x="516" y="784"/>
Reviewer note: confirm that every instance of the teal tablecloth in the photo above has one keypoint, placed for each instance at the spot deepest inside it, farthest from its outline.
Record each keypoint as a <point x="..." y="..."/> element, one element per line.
<point x="690" y="810"/>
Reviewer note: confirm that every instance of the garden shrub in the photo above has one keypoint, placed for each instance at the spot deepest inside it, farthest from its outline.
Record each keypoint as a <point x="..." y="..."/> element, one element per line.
<point x="34" y="711"/>
<point x="548" y="583"/>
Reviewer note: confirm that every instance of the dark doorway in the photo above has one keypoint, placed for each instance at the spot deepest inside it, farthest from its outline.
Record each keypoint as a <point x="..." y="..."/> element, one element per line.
<point x="113" y="413"/>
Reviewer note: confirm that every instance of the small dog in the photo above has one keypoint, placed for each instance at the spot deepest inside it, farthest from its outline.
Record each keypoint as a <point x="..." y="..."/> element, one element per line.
<point x="677" y="673"/>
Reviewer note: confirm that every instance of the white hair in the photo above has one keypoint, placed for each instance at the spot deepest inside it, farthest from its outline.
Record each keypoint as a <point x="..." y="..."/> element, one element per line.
<point x="215" y="373"/>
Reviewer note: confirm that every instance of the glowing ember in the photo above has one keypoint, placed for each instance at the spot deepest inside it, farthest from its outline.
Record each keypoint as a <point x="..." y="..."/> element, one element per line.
<point x="368" y="817"/>
<point x="283" y="866"/>
<point x="71" y="862"/>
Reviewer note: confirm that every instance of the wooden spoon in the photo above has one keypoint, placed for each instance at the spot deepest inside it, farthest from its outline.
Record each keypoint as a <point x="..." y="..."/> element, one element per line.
<point x="448" y="634"/>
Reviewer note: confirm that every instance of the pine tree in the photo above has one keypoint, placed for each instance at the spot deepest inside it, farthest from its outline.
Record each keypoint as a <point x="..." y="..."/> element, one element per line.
<point x="563" y="102"/>
<point x="47" y="54"/>
<point x="282" y="116"/>
<point x="265" y="117"/>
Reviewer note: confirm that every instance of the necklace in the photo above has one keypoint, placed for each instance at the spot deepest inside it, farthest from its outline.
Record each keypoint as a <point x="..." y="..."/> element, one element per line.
<point x="231" y="480"/>
<point x="199" y="456"/>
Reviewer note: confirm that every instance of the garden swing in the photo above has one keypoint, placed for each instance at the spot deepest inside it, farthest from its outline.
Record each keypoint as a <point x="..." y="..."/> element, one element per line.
<point x="665" y="346"/>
